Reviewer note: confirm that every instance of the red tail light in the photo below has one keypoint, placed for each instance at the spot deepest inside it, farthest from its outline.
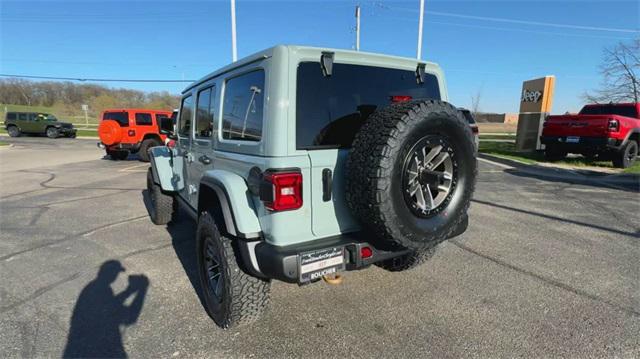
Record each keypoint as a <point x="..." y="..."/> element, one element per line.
<point x="281" y="191"/>
<point x="475" y="130"/>
<point x="613" y="126"/>
<point x="366" y="252"/>
<point x="395" y="99"/>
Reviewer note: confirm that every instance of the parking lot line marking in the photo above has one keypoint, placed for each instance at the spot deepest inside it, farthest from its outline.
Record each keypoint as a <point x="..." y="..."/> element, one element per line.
<point x="495" y="163"/>
<point x="129" y="169"/>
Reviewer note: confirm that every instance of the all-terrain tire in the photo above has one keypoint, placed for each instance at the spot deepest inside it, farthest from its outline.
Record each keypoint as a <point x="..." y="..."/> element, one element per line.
<point x="626" y="156"/>
<point x="14" y="131"/>
<point x="118" y="155"/>
<point x="553" y="153"/>
<point x="143" y="153"/>
<point x="377" y="166"/>
<point x="242" y="298"/>
<point x="52" y="132"/>
<point x="407" y="261"/>
<point x="163" y="206"/>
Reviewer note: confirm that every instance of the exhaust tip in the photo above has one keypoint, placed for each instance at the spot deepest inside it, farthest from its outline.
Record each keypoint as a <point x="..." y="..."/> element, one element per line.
<point x="333" y="279"/>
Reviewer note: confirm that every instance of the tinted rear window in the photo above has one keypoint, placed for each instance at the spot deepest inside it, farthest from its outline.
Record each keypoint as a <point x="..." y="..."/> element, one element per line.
<point x="11" y="116"/>
<point x="620" y="110"/>
<point x="120" y="117"/>
<point x="330" y="110"/>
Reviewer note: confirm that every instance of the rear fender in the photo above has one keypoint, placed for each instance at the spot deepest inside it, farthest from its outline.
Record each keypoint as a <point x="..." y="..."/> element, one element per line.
<point x="167" y="168"/>
<point x="237" y="208"/>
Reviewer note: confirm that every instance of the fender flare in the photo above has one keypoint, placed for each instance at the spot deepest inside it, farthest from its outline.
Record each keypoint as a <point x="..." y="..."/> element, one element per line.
<point x="240" y="216"/>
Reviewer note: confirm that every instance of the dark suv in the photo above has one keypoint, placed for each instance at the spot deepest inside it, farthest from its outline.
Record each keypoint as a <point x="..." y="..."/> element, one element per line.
<point x="17" y="123"/>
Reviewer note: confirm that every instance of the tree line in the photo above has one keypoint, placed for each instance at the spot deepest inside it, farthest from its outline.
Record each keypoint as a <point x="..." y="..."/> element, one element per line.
<point x="67" y="98"/>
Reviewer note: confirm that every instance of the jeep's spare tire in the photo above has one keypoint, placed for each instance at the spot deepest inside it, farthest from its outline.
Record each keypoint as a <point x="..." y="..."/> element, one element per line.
<point x="109" y="132"/>
<point x="411" y="173"/>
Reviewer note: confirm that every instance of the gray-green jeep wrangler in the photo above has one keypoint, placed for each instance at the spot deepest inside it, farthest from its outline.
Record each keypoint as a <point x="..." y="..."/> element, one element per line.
<point x="300" y="162"/>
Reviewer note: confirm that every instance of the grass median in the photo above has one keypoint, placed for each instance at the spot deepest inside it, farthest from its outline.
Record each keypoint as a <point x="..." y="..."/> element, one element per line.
<point x="507" y="150"/>
<point x="80" y="132"/>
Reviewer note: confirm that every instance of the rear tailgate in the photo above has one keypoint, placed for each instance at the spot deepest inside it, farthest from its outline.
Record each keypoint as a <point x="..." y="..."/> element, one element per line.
<point x="576" y="125"/>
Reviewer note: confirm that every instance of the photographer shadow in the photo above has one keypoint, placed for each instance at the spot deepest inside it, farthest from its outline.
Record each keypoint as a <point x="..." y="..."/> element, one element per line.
<point x="100" y="315"/>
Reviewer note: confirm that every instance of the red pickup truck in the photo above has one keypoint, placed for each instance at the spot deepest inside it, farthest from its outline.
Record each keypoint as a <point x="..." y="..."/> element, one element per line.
<point x="607" y="131"/>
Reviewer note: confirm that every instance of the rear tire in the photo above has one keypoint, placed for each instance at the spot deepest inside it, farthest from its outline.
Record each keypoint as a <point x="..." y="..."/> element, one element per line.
<point x="163" y="206"/>
<point x="52" y="132"/>
<point x="232" y="297"/>
<point x="14" y="131"/>
<point x="411" y="173"/>
<point x="143" y="153"/>
<point x="553" y="153"/>
<point x="118" y="155"/>
<point x="626" y="156"/>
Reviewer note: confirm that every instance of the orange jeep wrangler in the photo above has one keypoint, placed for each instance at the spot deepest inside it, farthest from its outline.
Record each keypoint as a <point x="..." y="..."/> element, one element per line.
<point x="125" y="131"/>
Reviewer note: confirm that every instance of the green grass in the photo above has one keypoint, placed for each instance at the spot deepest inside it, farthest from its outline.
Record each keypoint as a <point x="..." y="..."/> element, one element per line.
<point x="66" y="116"/>
<point x="507" y="150"/>
<point x="498" y="137"/>
<point x="80" y="132"/>
<point x="3" y="143"/>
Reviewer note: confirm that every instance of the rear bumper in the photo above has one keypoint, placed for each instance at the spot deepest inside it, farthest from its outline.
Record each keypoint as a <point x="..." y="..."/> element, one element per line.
<point x="67" y="131"/>
<point x="283" y="262"/>
<point x="130" y="147"/>
<point x="585" y="143"/>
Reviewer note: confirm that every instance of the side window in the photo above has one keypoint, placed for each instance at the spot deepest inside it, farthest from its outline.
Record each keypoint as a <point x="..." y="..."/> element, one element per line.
<point x="143" y="119"/>
<point x="242" y="108"/>
<point x="205" y="113"/>
<point x="11" y="116"/>
<point x="22" y="116"/>
<point x="31" y="116"/>
<point x="185" y="117"/>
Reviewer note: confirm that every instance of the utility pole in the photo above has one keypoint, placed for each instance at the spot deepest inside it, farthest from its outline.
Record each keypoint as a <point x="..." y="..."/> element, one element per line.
<point x="234" y="50"/>
<point x="420" y="20"/>
<point x="357" y="27"/>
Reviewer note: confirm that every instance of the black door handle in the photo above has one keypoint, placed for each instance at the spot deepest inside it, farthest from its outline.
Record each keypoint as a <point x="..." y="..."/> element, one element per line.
<point x="204" y="159"/>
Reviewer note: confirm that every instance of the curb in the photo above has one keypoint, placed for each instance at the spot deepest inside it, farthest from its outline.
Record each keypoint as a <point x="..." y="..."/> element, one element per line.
<point x="576" y="175"/>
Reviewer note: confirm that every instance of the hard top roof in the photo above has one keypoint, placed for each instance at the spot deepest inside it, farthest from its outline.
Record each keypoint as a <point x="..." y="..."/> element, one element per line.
<point x="266" y="53"/>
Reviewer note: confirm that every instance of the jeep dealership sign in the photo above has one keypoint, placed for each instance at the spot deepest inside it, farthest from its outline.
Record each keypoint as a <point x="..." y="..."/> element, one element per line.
<point x="530" y="96"/>
<point x="537" y="95"/>
<point x="536" y="99"/>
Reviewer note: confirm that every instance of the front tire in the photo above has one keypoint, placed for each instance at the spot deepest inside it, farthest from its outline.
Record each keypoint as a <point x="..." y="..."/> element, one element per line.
<point x="232" y="297"/>
<point x="52" y="132"/>
<point x="627" y="155"/>
<point x="143" y="153"/>
<point x="14" y="131"/>
<point x="163" y="206"/>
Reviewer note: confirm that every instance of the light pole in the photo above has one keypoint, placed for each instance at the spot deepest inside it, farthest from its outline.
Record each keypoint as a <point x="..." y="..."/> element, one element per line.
<point x="357" y="27"/>
<point x="234" y="50"/>
<point x="420" y="20"/>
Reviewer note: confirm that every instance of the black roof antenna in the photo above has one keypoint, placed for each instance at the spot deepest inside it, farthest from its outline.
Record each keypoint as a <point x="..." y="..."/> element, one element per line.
<point x="326" y="62"/>
<point x="420" y="73"/>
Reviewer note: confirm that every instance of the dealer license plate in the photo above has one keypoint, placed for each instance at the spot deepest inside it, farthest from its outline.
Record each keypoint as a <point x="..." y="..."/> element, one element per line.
<point x="573" y="139"/>
<point x="313" y="265"/>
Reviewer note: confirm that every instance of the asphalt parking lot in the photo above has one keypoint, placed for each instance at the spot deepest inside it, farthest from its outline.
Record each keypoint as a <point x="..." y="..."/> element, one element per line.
<point x="548" y="268"/>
